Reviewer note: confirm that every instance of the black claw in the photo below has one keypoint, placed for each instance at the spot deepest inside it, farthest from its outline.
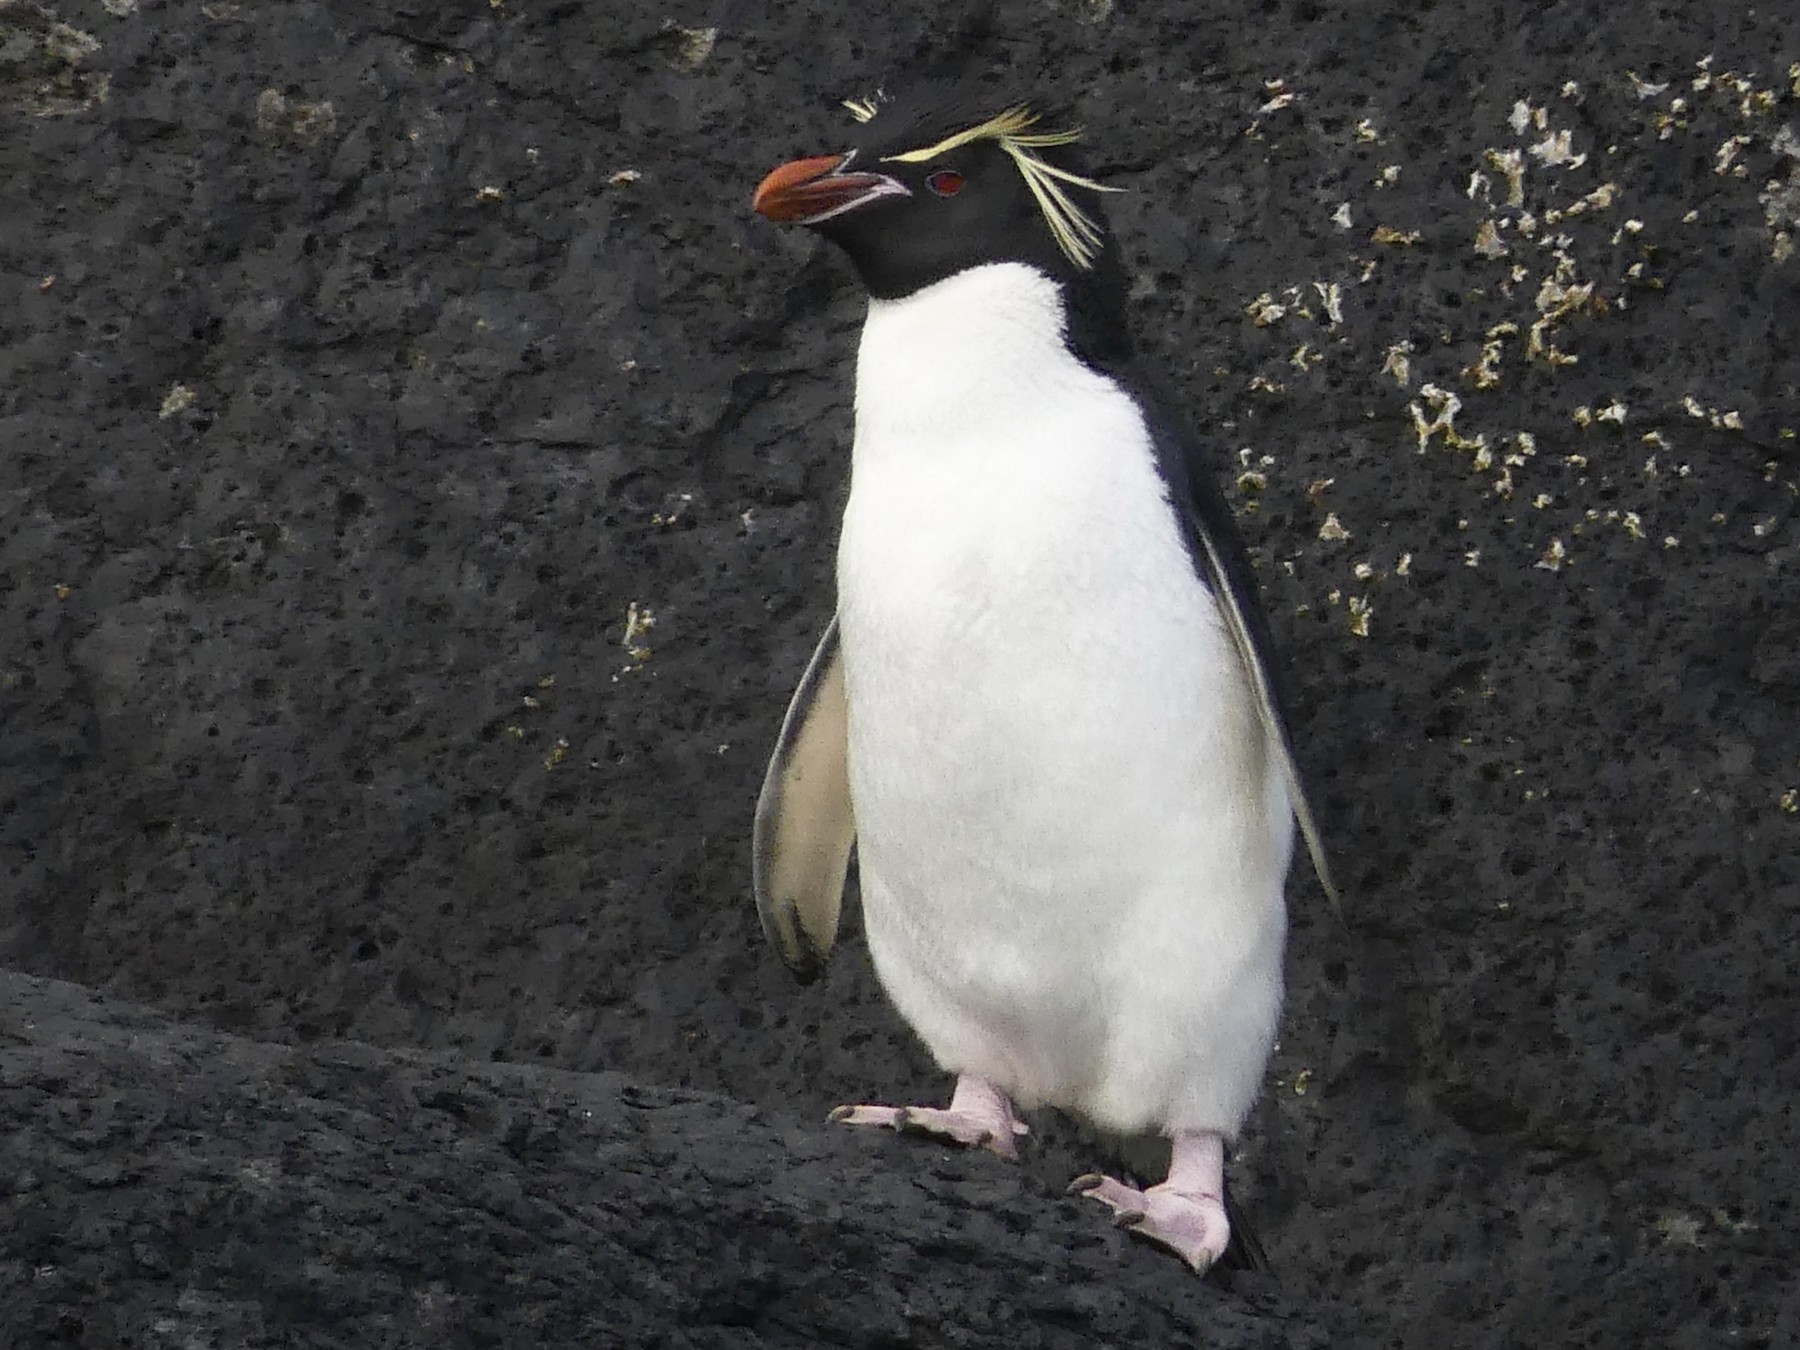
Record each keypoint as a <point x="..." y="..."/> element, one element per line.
<point x="839" y="1114"/>
<point x="1084" y="1183"/>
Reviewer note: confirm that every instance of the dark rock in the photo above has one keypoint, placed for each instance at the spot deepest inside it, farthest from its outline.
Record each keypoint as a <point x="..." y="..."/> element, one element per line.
<point x="363" y="366"/>
<point x="344" y="1195"/>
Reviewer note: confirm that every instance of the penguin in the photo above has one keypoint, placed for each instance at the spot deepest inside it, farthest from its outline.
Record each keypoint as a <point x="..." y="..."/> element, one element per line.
<point x="1044" y="716"/>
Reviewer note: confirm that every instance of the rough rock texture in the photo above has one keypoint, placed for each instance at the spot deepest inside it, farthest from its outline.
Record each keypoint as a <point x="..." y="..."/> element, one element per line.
<point x="365" y="367"/>
<point x="170" y="1185"/>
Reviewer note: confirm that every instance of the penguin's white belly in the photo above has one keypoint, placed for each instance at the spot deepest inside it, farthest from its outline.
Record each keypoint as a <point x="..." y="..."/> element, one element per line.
<point x="1071" y="826"/>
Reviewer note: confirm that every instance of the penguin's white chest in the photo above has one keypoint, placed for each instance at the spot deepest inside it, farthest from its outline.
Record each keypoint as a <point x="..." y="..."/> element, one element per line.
<point x="1071" y="830"/>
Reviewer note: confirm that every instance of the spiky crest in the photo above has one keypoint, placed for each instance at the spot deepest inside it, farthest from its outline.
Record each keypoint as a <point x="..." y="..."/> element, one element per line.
<point x="1076" y="232"/>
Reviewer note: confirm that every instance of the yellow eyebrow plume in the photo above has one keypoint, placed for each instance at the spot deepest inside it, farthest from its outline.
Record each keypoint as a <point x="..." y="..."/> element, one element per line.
<point x="1076" y="232"/>
<point x="1009" y="123"/>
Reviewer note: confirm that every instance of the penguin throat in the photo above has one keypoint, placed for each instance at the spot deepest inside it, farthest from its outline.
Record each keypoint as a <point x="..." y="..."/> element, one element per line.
<point x="979" y="339"/>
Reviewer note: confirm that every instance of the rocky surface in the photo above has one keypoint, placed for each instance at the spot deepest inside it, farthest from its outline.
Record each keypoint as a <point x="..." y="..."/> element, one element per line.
<point x="420" y="476"/>
<point x="171" y="1185"/>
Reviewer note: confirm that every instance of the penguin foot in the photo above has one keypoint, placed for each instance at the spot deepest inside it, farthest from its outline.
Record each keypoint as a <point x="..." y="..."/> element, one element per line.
<point x="1194" y="1227"/>
<point x="958" y="1127"/>
<point x="979" y="1116"/>
<point x="1186" y="1213"/>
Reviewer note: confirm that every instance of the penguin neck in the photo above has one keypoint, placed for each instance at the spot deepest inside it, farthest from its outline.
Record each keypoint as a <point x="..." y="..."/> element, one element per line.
<point x="968" y="346"/>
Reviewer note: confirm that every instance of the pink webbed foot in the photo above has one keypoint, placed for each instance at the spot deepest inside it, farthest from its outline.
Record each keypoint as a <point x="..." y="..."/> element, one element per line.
<point x="1186" y="1213"/>
<point x="979" y="1116"/>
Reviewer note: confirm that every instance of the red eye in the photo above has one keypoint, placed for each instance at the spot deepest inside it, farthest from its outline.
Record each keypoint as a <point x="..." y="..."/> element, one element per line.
<point x="945" y="182"/>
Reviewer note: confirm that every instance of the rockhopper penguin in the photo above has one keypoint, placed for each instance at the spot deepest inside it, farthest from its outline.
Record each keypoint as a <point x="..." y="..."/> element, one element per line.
<point x="1043" y="715"/>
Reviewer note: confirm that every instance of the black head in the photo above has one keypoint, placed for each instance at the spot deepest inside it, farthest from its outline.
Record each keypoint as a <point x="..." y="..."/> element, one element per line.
<point x="946" y="180"/>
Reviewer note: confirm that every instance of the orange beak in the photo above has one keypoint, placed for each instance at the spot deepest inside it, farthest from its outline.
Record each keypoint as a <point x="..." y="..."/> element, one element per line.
<point x="808" y="191"/>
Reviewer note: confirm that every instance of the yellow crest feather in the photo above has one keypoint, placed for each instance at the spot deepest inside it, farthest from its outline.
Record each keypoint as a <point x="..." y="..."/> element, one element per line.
<point x="1076" y="233"/>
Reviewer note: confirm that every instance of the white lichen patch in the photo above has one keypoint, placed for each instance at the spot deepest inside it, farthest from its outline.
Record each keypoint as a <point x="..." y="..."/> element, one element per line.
<point x="1557" y="301"/>
<point x="1524" y="116"/>
<point x="69" y="45"/>
<point x="1444" y="406"/>
<point x="1780" y="197"/>
<point x="1265" y="310"/>
<point x="1729" y="419"/>
<point x="674" y="510"/>
<point x="1399" y="363"/>
<point x="695" y="45"/>
<point x="1331" y="295"/>
<point x="1510" y="164"/>
<point x="1557" y="218"/>
<point x="1280" y="96"/>
<point x="179" y="399"/>
<point x="1556" y="151"/>
<point x="58" y="52"/>
<point x="1599" y="199"/>
<point x="1671" y="119"/>
<point x="639" y="620"/>
<point x="1485" y="372"/>
<point x="1727" y="153"/>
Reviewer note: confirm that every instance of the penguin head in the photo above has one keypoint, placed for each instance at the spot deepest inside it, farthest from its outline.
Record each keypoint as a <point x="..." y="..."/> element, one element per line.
<point x="943" y="181"/>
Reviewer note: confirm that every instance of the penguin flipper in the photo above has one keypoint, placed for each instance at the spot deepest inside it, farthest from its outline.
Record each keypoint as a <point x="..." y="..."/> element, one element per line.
<point x="805" y="828"/>
<point x="1219" y="557"/>
<point x="1227" y="588"/>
